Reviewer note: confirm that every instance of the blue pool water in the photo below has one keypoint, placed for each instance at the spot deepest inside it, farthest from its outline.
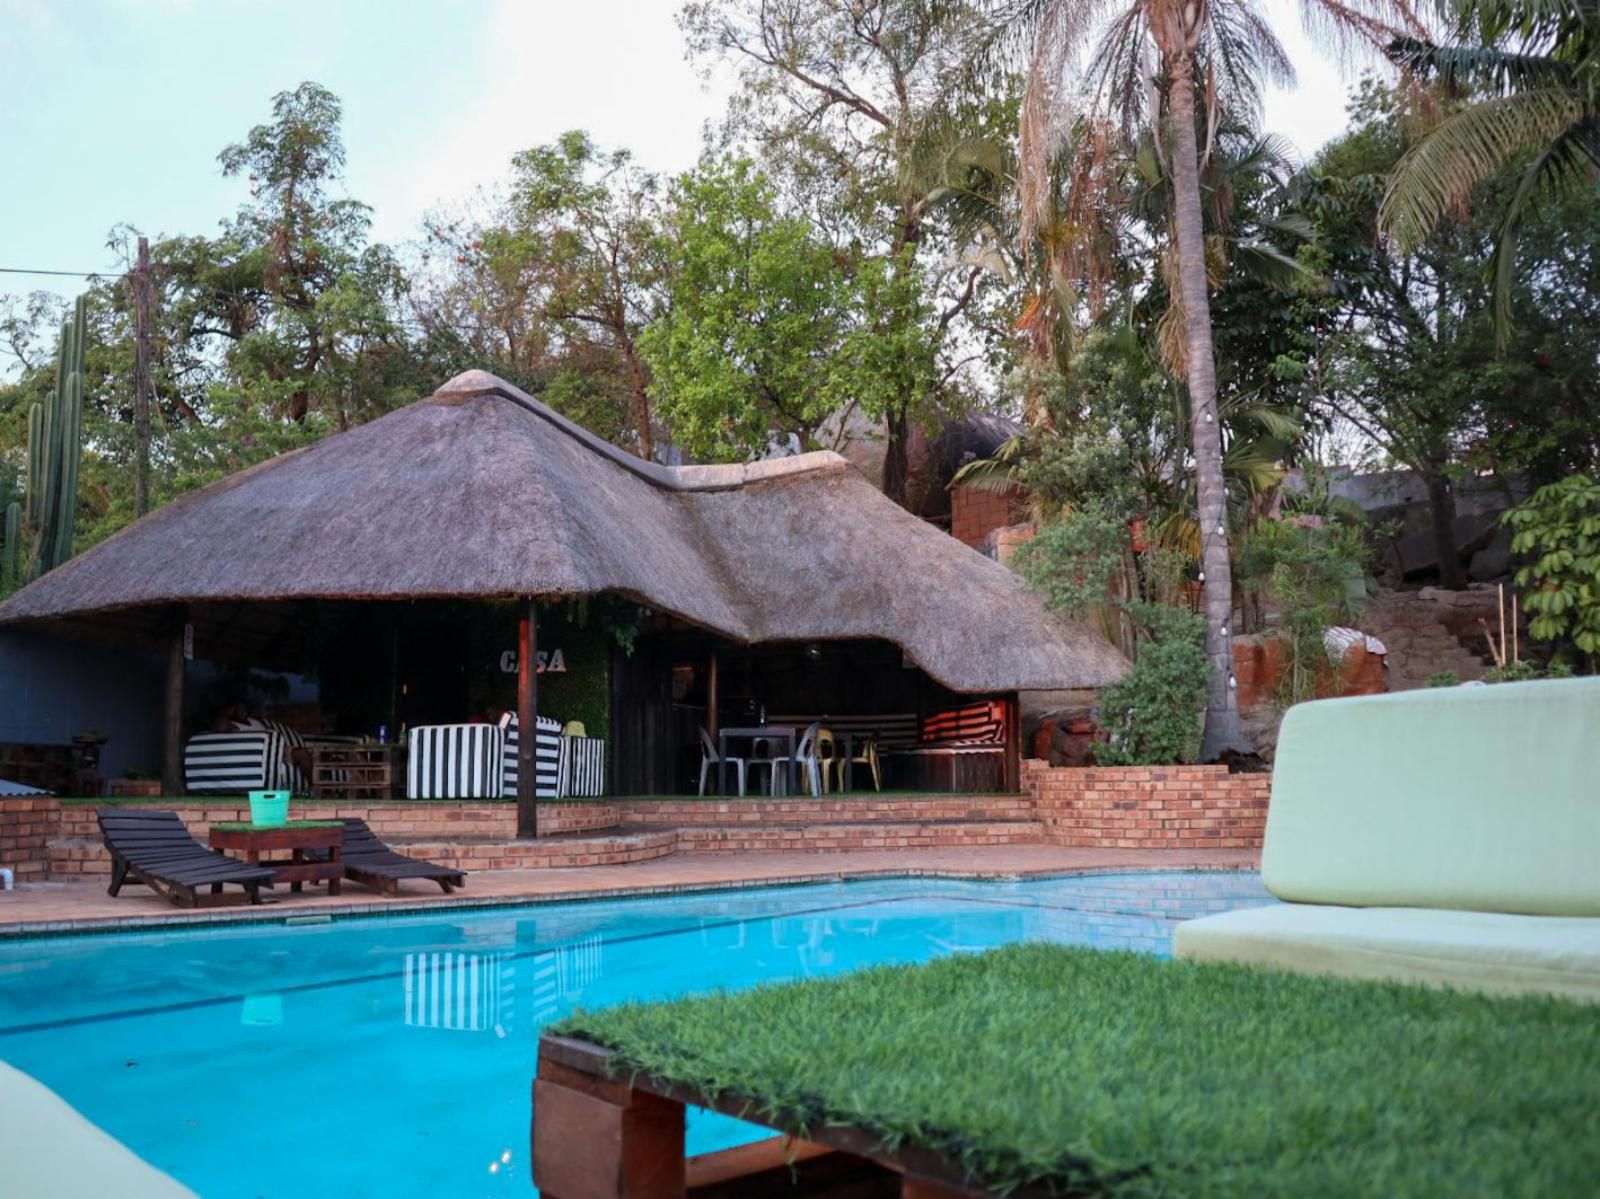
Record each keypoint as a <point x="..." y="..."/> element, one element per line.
<point x="395" y="1056"/>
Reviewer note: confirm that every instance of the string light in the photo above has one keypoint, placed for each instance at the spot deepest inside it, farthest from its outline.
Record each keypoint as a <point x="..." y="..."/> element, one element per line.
<point x="1209" y="417"/>
<point x="1202" y="576"/>
<point x="1224" y="630"/>
<point x="1221" y="531"/>
<point x="1232" y="682"/>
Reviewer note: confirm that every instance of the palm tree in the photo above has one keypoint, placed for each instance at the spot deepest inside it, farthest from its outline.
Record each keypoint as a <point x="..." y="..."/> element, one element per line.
<point x="1174" y="67"/>
<point x="1531" y="69"/>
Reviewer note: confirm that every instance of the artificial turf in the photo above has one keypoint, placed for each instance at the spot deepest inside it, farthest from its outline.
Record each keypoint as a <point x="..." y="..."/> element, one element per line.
<point x="1118" y="1073"/>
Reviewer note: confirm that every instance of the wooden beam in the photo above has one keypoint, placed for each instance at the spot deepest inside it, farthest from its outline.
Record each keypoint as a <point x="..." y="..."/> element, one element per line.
<point x="1013" y="769"/>
<point x="528" y="721"/>
<point x="172" y="728"/>
<point x="713" y="688"/>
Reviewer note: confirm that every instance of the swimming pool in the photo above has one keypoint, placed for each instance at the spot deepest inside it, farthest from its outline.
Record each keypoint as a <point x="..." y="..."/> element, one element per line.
<point x="395" y="1056"/>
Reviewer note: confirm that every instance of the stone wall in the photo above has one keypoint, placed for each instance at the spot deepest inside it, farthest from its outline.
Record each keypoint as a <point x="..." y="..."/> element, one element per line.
<point x="1149" y="807"/>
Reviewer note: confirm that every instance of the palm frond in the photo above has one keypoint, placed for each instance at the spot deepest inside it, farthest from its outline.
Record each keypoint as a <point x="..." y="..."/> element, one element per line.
<point x="1569" y="157"/>
<point x="1441" y="170"/>
<point x="1270" y="266"/>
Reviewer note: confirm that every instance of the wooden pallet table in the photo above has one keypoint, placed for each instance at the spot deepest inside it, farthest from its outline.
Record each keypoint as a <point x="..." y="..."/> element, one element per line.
<point x="356" y="771"/>
<point x="599" y="1136"/>
<point x="296" y="837"/>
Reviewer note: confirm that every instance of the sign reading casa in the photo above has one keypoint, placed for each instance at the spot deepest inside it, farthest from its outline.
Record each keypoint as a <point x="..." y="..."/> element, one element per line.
<point x="546" y="661"/>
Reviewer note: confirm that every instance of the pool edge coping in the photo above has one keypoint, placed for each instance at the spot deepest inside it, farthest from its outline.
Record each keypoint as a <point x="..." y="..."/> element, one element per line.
<point x="378" y="909"/>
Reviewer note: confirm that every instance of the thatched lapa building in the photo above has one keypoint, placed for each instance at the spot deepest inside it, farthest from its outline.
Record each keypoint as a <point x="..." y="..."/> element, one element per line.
<point x="391" y="569"/>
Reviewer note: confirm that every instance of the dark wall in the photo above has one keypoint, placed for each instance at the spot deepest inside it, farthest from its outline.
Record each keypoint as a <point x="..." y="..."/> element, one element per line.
<point x="51" y="689"/>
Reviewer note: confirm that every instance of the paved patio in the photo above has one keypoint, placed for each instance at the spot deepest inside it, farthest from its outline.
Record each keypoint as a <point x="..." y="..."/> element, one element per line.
<point x="36" y="908"/>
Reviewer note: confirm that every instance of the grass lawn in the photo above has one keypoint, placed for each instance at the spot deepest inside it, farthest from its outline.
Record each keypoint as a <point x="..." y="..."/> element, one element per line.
<point x="1118" y="1073"/>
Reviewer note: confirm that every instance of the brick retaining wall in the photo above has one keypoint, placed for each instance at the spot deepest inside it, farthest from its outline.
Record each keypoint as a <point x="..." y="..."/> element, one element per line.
<point x="26" y="827"/>
<point x="70" y="847"/>
<point x="1148" y="807"/>
<point x="806" y="810"/>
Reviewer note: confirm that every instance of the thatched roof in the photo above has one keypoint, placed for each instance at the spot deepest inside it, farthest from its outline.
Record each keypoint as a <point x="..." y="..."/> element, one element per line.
<point x="481" y="491"/>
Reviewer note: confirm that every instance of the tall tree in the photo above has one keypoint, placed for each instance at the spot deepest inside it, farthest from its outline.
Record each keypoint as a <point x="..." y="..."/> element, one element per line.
<point x="835" y="98"/>
<point x="1173" y="66"/>
<point x="770" y="334"/>
<point x="1532" y="71"/>
<point x="554" y="284"/>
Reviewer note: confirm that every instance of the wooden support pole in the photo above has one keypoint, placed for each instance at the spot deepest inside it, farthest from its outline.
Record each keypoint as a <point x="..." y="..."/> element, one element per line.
<point x="1013" y="768"/>
<point x="172" y="728"/>
<point x="713" y="697"/>
<point x="528" y="721"/>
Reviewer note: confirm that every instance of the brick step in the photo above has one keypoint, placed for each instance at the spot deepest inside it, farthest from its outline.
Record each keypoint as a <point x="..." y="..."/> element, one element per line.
<point x="841" y="836"/>
<point x="547" y="853"/>
<point x="797" y="810"/>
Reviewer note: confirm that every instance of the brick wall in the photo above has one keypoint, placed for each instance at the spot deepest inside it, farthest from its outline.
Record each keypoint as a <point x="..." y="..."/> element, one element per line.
<point x="26" y="827"/>
<point x="62" y="841"/>
<point x="809" y="810"/>
<point x="975" y="512"/>
<point x="1149" y="807"/>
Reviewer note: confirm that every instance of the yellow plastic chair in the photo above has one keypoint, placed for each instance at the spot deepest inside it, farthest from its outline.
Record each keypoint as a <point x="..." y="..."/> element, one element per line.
<point x="829" y="760"/>
<point x="867" y="755"/>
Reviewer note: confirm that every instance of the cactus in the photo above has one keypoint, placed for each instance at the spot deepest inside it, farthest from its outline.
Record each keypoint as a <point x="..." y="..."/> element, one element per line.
<point x="55" y="446"/>
<point x="11" y="553"/>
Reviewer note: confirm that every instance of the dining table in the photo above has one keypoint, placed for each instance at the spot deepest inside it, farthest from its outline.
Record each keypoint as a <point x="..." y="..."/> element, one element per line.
<point x="783" y="735"/>
<point x="788" y="736"/>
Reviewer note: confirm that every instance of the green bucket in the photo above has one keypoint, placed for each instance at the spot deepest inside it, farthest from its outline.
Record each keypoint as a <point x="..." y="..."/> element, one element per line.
<point x="269" y="809"/>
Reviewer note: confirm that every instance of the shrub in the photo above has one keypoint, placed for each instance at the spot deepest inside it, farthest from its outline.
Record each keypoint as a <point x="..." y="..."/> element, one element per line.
<point x="1559" y="528"/>
<point x="1154" y="714"/>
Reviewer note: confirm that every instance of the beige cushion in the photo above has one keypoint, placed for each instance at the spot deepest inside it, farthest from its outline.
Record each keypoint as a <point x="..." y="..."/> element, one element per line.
<point x="1483" y="798"/>
<point x="47" y="1148"/>
<point x="1480" y="951"/>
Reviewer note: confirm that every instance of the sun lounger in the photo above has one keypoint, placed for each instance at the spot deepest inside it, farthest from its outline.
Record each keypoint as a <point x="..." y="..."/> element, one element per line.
<point x="1446" y="836"/>
<point x="370" y="862"/>
<point x="154" y="848"/>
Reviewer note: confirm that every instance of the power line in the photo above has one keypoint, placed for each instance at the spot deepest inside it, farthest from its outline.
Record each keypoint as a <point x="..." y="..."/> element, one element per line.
<point x="17" y="270"/>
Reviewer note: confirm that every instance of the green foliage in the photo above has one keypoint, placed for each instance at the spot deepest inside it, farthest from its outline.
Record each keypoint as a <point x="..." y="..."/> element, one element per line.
<point x="1444" y="678"/>
<point x="1083" y="563"/>
<point x="1313" y="569"/>
<point x="1074" y="561"/>
<point x="1153" y="714"/>
<point x="769" y="330"/>
<point x="1558" y="528"/>
<point x="1098" y="1073"/>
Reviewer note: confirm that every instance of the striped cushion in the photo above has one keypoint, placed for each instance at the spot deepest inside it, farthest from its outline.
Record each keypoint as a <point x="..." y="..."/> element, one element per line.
<point x="897" y="730"/>
<point x="547" y="757"/>
<point x="454" y="761"/>
<point x="583" y="766"/>
<point x="232" y="763"/>
<point x="971" y="724"/>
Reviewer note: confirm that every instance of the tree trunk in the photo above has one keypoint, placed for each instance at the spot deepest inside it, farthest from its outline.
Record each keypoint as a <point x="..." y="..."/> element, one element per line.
<point x="1222" y="730"/>
<point x="1442" y="507"/>
<point x="896" y="459"/>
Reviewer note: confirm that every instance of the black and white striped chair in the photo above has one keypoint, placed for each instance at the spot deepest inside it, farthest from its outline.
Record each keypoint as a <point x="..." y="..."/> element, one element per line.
<point x="236" y="762"/>
<point x="547" y="757"/>
<point x="455" y="761"/>
<point x="582" y="768"/>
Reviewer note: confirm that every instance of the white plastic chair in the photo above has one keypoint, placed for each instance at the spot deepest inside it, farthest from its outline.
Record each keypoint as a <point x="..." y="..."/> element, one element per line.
<point x="709" y="758"/>
<point x="778" y="767"/>
<point x="806" y="754"/>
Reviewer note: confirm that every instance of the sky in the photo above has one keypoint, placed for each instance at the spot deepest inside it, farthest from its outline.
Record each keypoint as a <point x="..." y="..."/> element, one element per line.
<point x="115" y="110"/>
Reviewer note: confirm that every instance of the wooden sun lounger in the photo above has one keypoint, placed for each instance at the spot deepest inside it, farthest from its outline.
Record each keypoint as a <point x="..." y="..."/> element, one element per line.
<point x="154" y="848"/>
<point x="370" y="862"/>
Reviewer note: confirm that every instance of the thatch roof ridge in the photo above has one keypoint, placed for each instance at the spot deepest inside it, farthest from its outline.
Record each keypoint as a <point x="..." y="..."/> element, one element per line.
<point x="714" y="477"/>
<point x="480" y="491"/>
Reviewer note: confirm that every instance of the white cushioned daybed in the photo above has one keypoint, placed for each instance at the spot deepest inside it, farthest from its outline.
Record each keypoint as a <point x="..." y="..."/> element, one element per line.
<point x="1448" y="836"/>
